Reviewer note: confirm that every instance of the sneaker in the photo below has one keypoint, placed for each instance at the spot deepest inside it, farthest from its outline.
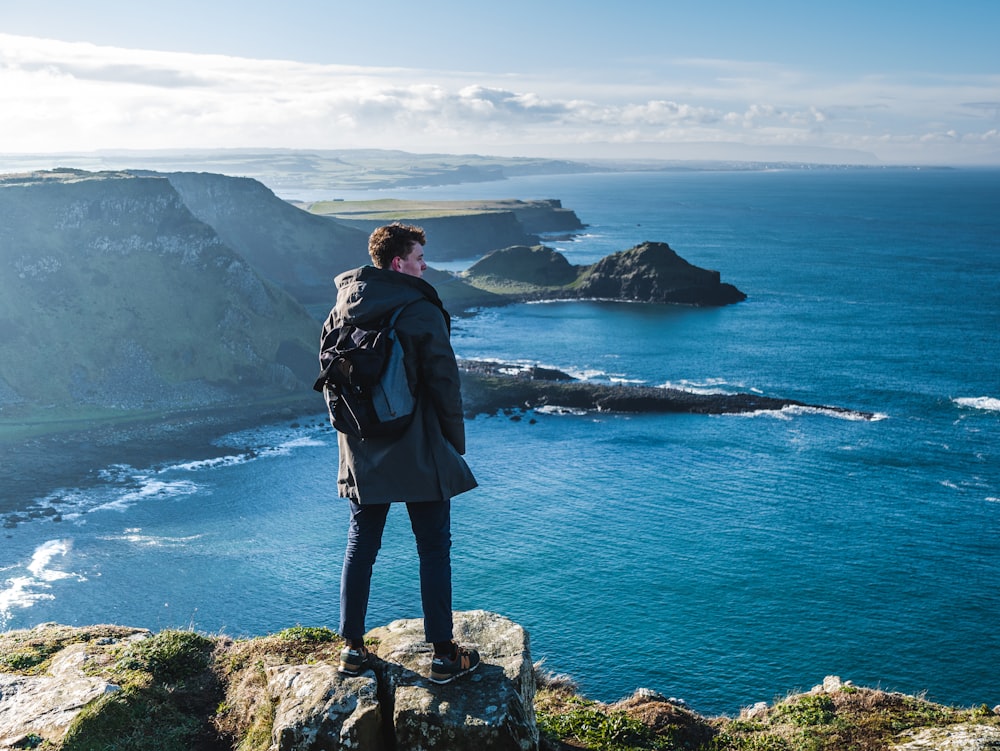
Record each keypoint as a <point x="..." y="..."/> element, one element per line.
<point x="353" y="660"/>
<point x="445" y="670"/>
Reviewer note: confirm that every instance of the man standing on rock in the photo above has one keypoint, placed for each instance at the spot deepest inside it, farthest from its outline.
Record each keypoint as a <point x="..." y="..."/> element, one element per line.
<point x="423" y="467"/>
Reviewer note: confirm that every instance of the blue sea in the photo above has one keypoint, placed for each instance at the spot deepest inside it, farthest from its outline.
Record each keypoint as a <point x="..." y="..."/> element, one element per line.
<point x="723" y="560"/>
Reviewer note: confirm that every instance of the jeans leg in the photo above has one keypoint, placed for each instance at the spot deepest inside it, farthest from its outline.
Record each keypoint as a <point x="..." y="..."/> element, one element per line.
<point x="431" y="524"/>
<point x="364" y="538"/>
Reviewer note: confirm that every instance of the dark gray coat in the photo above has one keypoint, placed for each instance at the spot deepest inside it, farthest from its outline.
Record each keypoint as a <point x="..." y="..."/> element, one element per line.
<point x="425" y="463"/>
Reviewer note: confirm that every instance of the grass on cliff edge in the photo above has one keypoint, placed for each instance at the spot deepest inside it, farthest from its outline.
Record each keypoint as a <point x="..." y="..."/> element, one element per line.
<point x="182" y="691"/>
<point x="844" y="718"/>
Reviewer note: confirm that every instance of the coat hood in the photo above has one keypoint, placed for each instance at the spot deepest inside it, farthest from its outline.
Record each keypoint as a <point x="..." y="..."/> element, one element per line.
<point x="368" y="294"/>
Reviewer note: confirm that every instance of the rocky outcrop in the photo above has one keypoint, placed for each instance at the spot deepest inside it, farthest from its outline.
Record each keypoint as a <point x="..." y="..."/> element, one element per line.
<point x="532" y="266"/>
<point x="317" y="708"/>
<point x="43" y="706"/>
<point x="651" y="273"/>
<point x="489" y="387"/>
<point x="116" y="687"/>
<point x="283" y="694"/>
<point x="490" y="709"/>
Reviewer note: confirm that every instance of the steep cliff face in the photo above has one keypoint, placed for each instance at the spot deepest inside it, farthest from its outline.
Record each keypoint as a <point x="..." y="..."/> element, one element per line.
<point x="459" y="229"/>
<point x="298" y="251"/>
<point x="457" y="237"/>
<point x="113" y="296"/>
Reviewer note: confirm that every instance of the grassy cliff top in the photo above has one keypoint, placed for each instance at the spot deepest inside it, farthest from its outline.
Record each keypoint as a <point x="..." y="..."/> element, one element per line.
<point x="394" y="208"/>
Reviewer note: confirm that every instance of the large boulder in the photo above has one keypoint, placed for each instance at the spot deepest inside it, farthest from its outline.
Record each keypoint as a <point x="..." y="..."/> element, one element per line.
<point x="491" y="709"/>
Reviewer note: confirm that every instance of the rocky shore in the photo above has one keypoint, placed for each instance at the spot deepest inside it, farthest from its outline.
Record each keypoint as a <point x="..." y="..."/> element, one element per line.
<point x="488" y="387"/>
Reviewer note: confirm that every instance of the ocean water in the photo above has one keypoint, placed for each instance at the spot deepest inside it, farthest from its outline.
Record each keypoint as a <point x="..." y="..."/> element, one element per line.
<point x="724" y="560"/>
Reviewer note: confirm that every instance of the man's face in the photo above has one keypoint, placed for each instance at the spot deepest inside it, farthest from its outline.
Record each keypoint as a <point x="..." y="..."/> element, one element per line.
<point x="413" y="264"/>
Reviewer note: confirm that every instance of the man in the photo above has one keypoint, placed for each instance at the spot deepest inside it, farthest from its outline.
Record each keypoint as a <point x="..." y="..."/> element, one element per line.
<point x="423" y="467"/>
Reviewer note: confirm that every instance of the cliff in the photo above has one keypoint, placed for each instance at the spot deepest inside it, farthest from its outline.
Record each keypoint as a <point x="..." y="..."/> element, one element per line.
<point x="298" y="251"/>
<point x="116" y="298"/>
<point x="118" y="688"/>
<point x="458" y="229"/>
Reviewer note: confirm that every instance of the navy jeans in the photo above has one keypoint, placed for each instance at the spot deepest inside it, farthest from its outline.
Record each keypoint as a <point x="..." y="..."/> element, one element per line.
<point x="431" y="524"/>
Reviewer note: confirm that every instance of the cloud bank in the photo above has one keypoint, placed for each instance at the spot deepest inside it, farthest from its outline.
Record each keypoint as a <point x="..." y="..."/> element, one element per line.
<point x="65" y="97"/>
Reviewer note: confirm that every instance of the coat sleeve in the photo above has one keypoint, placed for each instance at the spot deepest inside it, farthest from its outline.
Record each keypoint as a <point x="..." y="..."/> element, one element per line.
<point x="436" y="368"/>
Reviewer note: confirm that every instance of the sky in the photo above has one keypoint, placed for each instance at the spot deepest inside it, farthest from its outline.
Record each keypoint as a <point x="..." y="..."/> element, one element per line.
<point x="877" y="81"/>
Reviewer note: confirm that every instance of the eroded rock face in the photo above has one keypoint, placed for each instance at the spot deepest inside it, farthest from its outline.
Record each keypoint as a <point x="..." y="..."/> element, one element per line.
<point x="492" y="708"/>
<point x="960" y="737"/>
<point x="317" y="708"/>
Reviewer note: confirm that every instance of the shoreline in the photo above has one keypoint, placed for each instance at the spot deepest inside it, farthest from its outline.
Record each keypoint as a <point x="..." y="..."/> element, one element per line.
<point x="34" y="467"/>
<point x="57" y="457"/>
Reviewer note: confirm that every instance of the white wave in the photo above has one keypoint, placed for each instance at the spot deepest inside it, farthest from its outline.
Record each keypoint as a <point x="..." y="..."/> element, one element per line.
<point x="123" y="485"/>
<point x="517" y="367"/>
<point x="197" y="465"/>
<point x="282" y="445"/>
<point x="988" y="403"/>
<point x="554" y="409"/>
<point x="149" y="487"/>
<point x="134" y="536"/>
<point x="25" y="590"/>
<point x="588" y="375"/>
<point x="708" y="386"/>
<point x="794" y="410"/>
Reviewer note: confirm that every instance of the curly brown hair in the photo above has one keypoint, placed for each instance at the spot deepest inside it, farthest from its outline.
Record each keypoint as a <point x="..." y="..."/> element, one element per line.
<point x="393" y="240"/>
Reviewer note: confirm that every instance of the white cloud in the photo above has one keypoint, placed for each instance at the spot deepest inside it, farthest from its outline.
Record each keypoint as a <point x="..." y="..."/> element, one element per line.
<point x="59" y="96"/>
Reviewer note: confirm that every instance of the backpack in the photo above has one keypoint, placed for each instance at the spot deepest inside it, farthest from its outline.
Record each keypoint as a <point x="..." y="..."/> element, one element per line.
<point x="363" y="379"/>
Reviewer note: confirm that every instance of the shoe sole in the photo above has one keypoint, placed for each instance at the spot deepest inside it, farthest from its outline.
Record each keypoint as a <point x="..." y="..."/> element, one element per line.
<point x="450" y="678"/>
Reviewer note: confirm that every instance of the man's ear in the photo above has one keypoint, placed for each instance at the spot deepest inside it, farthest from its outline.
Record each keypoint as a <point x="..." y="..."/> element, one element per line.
<point x="394" y="264"/>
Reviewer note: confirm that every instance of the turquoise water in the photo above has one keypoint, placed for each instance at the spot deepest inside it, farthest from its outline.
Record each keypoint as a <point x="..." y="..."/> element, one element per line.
<point x="723" y="560"/>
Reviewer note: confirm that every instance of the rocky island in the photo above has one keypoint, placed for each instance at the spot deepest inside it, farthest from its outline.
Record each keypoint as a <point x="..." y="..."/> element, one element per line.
<point x="651" y="272"/>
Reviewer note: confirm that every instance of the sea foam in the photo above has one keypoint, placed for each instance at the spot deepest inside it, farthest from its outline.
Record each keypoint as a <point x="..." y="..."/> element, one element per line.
<point x="25" y="590"/>
<point x="988" y="403"/>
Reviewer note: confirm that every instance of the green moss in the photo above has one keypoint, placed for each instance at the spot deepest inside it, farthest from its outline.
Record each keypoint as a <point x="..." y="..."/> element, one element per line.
<point x="805" y="710"/>
<point x="600" y="730"/>
<point x="135" y="720"/>
<point x="166" y="702"/>
<point x="168" y="657"/>
<point x="313" y="634"/>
